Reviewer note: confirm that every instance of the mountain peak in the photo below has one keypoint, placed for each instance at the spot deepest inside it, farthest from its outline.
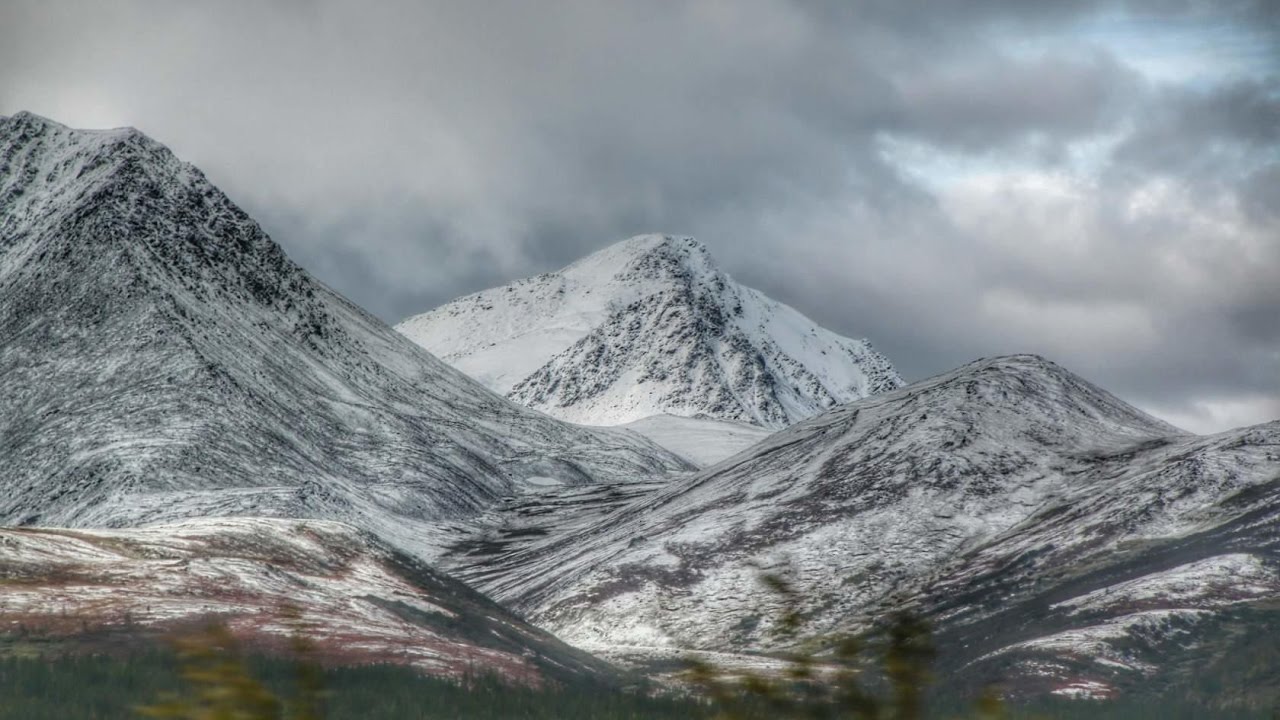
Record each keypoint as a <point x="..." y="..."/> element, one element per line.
<point x="638" y="245"/>
<point x="25" y="119"/>
<point x="685" y="248"/>
<point x="23" y="127"/>
<point x="1029" y="390"/>
<point x="650" y="242"/>
<point x="50" y="173"/>
<point x="650" y="326"/>
<point x="128" y="200"/>
<point x="1021" y="368"/>
<point x="643" y="257"/>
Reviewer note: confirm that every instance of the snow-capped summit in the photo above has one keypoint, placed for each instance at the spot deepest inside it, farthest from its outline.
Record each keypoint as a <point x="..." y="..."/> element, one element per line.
<point x="162" y="358"/>
<point x="646" y="327"/>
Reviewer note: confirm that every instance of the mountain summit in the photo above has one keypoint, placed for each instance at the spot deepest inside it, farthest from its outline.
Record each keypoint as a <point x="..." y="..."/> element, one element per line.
<point x="646" y="327"/>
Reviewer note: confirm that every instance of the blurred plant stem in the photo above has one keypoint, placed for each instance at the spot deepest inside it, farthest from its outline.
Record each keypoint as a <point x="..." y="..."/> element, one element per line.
<point x="219" y="685"/>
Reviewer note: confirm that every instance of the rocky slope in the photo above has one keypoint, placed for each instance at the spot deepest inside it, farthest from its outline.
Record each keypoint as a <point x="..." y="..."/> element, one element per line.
<point x="356" y="600"/>
<point x="1005" y="485"/>
<point x="650" y="327"/>
<point x="164" y="359"/>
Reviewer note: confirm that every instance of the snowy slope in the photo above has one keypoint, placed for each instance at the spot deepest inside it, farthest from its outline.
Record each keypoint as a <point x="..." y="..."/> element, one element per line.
<point x="646" y="327"/>
<point x="162" y="359"/>
<point x="927" y="495"/>
<point x="359" y="601"/>
<point x="700" y="440"/>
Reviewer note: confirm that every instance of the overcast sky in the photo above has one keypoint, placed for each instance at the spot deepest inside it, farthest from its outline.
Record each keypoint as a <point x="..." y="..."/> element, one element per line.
<point x="1095" y="182"/>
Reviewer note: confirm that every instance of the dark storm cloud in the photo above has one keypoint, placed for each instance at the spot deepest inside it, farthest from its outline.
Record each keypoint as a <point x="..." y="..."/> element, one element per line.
<point x="1260" y="194"/>
<point x="949" y="179"/>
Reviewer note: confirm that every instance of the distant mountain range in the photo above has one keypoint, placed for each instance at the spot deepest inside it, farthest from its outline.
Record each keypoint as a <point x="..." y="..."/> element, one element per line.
<point x="188" y="414"/>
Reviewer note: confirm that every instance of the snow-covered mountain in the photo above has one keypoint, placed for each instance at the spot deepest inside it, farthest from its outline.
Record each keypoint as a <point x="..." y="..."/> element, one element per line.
<point x="1005" y="485"/>
<point x="162" y="358"/>
<point x="895" y="482"/>
<point x="650" y="327"/>
<point x="358" y="601"/>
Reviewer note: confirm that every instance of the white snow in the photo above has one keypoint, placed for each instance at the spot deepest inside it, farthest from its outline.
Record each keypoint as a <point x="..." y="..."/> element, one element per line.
<point x="1085" y="690"/>
<point x="702" y="441"/>
<point x="1101" y="643"/>
<point x="1211" y="582"/>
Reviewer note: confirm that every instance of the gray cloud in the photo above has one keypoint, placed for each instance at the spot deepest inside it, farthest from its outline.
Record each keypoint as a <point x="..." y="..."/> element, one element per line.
<point x="1215" y="132"/>
<point x="994" y="101"/>
<point x="919" y="173"/>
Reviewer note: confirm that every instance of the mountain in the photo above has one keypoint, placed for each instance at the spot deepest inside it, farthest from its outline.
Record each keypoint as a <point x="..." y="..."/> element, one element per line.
<point x="650" y="327"/>
<point x="1025" y="511"/>
<point x="356" y="600"/>
<point x="164" y="359"/>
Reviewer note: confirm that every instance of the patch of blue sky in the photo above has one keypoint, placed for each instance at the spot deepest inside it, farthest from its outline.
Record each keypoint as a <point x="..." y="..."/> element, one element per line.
<point x="1201" y="48"/>
<point x="936" y="168"/>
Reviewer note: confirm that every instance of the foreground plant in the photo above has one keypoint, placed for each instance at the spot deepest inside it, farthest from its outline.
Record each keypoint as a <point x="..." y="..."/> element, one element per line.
<point x="221" y="687"/>
<point x="219" y="684"/>
<point x="828" y="677"/>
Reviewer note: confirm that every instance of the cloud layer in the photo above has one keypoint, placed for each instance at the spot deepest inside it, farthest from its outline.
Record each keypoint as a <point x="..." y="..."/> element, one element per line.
<point x="951" y="182"/>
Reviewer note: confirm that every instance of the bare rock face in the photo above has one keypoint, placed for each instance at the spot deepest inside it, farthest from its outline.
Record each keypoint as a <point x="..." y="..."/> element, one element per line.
<point x="650" y="327"/>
